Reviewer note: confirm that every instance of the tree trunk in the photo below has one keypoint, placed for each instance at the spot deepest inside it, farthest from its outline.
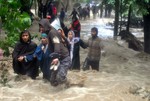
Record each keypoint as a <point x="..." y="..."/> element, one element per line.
<point x="39" y="8"/>
<point x="65" y="4"/>
<point x="147" y="32"/>
<point x="120" y="15"/>
<point x="129" y="18"/>
<point x="66" y="8"/>
<point x="35" y="6"/>
<point x="116" y="19"/>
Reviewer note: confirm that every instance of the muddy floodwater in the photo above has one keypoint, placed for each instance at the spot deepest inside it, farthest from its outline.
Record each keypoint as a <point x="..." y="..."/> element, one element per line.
<point x="124" y="75"/>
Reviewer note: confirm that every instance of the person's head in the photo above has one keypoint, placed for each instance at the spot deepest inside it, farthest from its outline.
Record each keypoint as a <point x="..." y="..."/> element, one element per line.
<point x="62" y="9"/>
<point x="25" y="36"/>
<point x="74" y="9"/>
<point x="44" y="26"/>
<point x="71" y="35"/>
<point x="60" y="31"/>
<point x="94" y="32"/>
<point x="44" y="39"/>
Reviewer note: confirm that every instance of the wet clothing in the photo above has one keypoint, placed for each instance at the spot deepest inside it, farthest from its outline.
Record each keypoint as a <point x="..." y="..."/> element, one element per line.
<point x="76" y="55"/>
<point x="43" y="60"/>
<point x="56" y="45"/>
<point x="59" y="76"/>
<point x="55" y="41"/>
<point x="95" y="45"/>
<point x="24" y="67"/>
<point x="75" y="44"/>
<point x="93" y="64"/>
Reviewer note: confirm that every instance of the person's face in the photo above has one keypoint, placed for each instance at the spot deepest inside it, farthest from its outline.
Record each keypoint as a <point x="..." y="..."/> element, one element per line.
<point x="41" y="29"/>
<point x="70" y="35"/>
<point x="59" y="31"/>
<point x="93" y="32"/>
<point x="25" y="37"/>
<point x="44" y="40"/>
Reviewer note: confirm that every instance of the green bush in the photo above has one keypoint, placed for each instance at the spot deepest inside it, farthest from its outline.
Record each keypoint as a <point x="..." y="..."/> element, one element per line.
<point x="13" y="22"/>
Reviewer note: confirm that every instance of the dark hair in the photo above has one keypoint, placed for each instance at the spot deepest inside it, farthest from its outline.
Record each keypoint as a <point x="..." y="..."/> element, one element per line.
<point x="95" y="29"/>
<point x="25" y="31"/>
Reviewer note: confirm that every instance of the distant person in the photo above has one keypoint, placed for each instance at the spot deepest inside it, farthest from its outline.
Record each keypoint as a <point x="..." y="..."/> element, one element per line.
<point x="23" y="48"/>
<point x="76" y="26"/>
<point x="94" y="11"/>
<point x="59" y="53"/>
<point x="49" y="8"/>
<point x="80" y="10"/>
<point x="75" y="43"/>
<point x="62" y="15"/>
<point x="88" y="8"/>
<point x="85" y="12"/>
<point x="74" y="14"/>
<point x="94" y="54"/>
<point x="54" y="14"/>
<point x="52" y="11"/>
<point x="44" y="5"/>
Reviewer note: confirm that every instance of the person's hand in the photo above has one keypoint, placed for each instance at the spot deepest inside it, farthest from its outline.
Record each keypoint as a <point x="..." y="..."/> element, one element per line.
<point x="63" y="34"/>
<point x="20" y="58"/>
<point x="55" y="61"/>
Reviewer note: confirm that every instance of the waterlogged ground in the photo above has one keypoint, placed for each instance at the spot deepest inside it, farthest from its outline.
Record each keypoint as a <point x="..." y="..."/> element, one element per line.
<point x="124" y="76"/>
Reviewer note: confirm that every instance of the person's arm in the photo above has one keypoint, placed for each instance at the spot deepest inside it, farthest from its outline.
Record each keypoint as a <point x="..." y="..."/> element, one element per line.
<point x="16" y="51"/>
<point x="83" y="44"/>
<point x="103" y="52"/>
<point x="101" y="45"/>
<point x="86" y="43"/>
<point x="55" y="39"/>
<point x="37" y="54"/>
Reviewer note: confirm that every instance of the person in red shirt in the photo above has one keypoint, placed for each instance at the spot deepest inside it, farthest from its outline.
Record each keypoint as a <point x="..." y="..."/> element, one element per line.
<point x="76" y="26"/>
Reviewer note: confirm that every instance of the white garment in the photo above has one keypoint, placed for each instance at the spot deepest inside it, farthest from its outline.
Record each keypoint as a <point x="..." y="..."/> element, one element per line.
<point x="45" y="48"/>
<point x="72" y="42"/>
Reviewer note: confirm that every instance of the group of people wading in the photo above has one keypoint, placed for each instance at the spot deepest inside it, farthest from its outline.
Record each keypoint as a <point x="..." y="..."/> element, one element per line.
<point x="57" y="52"/>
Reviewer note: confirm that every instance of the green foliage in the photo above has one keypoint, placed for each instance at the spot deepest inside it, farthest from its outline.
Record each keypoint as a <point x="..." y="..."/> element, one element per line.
<point x="13" y="22"/>
<point x="143" y="6"/>
<point x="110" y="1"/>
<point x="138" y="7"/>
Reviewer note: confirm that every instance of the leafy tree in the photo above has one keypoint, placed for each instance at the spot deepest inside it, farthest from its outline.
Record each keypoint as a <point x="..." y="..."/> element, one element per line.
<point x="144" y="6"/>
<point x="13" y="22"/>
